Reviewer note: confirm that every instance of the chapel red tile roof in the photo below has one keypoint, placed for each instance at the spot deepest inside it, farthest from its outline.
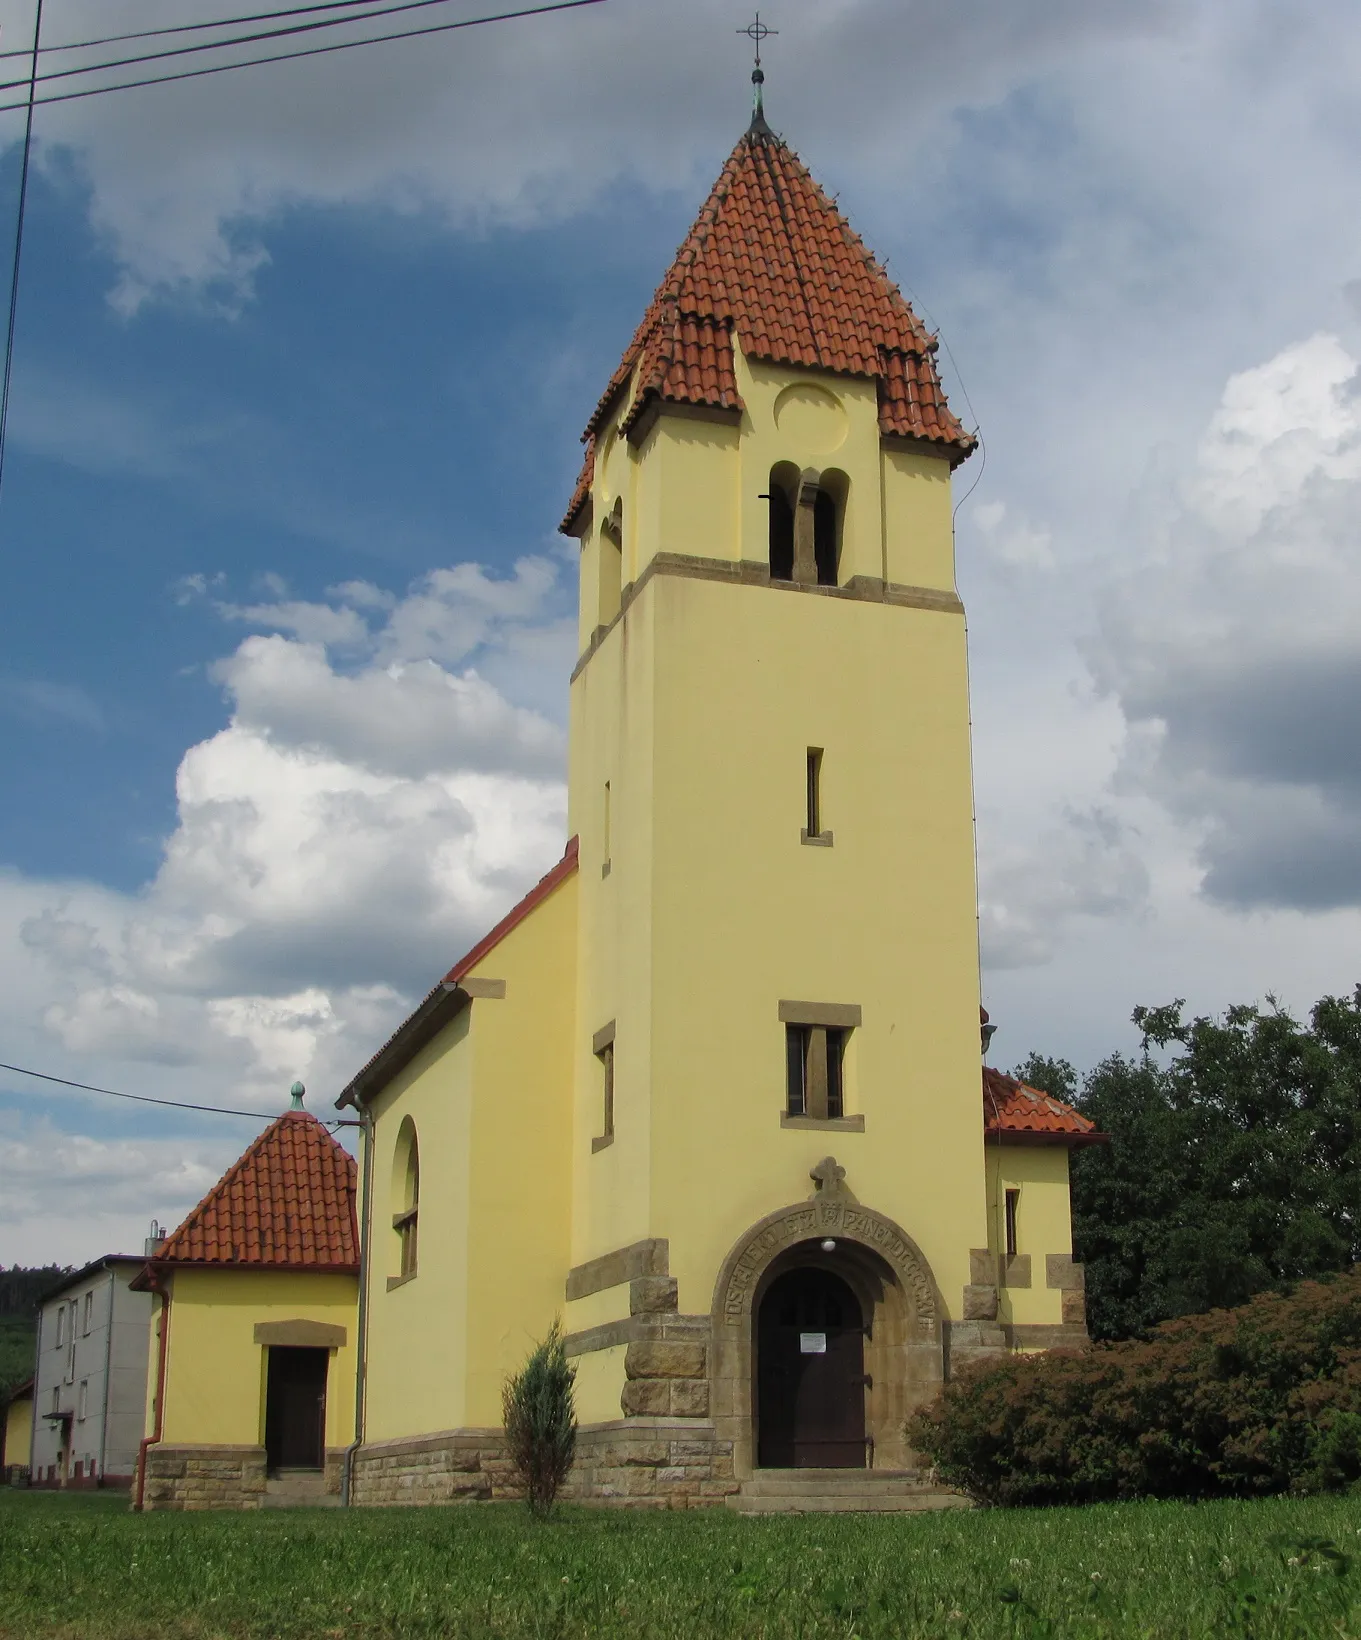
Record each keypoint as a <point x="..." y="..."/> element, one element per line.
<point x="288" y="1202"/>
<point x="1017" y="1114"/>
<point x="772" y="260"/>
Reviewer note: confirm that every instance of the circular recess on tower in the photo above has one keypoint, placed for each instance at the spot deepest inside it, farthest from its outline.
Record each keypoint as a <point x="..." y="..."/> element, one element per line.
<point x="811" y="419"/>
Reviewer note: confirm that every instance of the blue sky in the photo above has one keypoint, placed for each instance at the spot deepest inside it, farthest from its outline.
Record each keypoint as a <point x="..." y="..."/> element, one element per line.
<point x="302" y="361"/>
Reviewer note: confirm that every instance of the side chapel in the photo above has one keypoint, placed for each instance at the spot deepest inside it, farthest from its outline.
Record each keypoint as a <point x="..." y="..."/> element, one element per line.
<point x="711" y="1094"/>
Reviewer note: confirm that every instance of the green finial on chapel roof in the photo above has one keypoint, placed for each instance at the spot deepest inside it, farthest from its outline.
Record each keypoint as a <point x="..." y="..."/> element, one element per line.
<point x="297" y="1090"/>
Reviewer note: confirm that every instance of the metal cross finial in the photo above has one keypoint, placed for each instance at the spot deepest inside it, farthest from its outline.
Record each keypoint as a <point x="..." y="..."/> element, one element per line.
<point x="757" y="32"/>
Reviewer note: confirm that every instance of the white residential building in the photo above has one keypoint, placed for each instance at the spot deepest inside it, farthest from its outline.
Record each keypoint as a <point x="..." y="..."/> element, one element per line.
<point x="90" y="1377"/>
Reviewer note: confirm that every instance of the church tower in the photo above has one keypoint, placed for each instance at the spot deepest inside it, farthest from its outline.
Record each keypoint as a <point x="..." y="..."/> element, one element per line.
<point x="710" y="1097"/>
<point x="770" y="782"/>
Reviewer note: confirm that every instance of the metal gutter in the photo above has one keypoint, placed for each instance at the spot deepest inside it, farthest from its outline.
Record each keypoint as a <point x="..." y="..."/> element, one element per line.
<point x="361" y="1366"/>
<point x="153" y="1281"/>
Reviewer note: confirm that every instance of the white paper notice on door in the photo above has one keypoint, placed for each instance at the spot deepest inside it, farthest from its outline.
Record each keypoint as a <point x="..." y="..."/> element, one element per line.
<point x="812" y="1343"/>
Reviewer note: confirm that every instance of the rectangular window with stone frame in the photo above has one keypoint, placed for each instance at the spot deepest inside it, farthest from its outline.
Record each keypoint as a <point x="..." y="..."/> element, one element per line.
<point x="602" y="1045"/>
<point x="1012" y="1206"/>
<point x="816" y="1038"/>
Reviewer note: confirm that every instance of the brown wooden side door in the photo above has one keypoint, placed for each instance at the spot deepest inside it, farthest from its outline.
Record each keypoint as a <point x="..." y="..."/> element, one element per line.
<point x="295" y="1408"/>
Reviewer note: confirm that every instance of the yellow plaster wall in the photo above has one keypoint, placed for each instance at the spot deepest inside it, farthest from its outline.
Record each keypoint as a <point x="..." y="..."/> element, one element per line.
<point x="612" y="737"/>
<point x="698" y="707"/>
<point x="688" y="473"/>
<point x="599" y="1384"/>
<point x="520" y="1178"/>
<point x="215" y="1377"/>
<point x="918" y="529"/>
<point x="1043" y="1223"/>
<point x="18" y="1433"/>
<point x="417" y="1355"/>
<point x="745" y="915"/>
<point x="491" y="1101"/>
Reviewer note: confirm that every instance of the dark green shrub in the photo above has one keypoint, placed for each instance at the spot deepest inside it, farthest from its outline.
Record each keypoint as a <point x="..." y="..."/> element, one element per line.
<point x="541" y="1423"/>
<point x="1260" y="1399"/>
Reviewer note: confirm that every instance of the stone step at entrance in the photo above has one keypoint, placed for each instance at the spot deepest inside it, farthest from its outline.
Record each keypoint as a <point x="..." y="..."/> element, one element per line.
<point x="841" y="1491"/>
<point x="298" y="1489"/>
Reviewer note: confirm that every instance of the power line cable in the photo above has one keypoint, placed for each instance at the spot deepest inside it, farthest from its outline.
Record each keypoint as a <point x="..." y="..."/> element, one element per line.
<point x="19" y="235"/>
<point x="226" y="44"/>
<point x="32" y="100"/>
<point x="311" y="51"/>
<point x="138" y="1098"/>
<point x="190" y="28"/>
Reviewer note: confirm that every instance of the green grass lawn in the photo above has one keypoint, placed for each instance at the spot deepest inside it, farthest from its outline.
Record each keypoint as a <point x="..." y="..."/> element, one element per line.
<point x="83" y="1568"/>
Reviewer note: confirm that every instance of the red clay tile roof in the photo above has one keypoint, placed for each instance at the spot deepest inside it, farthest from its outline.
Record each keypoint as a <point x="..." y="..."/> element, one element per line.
<point x="1014" y="1113"/>
<point x="288" y="1202"/>
<point x="517" y="913"/>
<point x="773" y="261"/>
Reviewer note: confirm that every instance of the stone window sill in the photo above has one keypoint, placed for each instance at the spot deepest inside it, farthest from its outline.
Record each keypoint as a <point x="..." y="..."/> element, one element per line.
<point x="815" y="839"/>
<point x="400" y="1281"/>
<point x="840" y="1124"/>
<point x="601" y="1141"/>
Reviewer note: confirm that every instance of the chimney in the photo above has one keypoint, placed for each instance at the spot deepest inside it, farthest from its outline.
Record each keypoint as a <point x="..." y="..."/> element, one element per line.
<point x="155" y="1240"/>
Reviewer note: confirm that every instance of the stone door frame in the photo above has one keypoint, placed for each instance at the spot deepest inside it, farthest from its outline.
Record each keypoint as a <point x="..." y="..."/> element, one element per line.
<point x="832" y="1212"/>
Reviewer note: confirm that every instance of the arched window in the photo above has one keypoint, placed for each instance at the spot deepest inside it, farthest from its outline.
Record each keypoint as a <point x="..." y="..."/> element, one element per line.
<point x="805" y="524"/>
<point x="829" y="511"/>
<point x="406" y="1197"/>
<point x="784" y="482"/>
<point x="611" y="563"/>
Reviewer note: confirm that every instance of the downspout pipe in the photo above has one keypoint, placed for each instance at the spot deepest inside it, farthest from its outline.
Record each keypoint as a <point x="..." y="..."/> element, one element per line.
<point x="157" y="1286"/>
<point x="361" y="1366"/>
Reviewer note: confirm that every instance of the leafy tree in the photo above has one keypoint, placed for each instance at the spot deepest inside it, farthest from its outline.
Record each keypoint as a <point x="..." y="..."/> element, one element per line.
<point x="1234" y="1163"/>
<point x="541" y="1424"/>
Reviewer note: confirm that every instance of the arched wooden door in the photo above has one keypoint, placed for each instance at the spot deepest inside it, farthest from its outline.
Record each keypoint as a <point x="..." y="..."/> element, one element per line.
<point x="810" y="1349"/>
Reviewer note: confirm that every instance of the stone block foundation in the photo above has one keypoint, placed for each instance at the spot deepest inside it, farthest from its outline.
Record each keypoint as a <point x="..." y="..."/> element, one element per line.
<point x="638" y="1463"/>
<point x="215" y="1477"/>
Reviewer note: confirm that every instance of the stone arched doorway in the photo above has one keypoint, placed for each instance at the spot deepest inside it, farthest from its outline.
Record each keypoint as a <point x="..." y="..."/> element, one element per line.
<point x="892" y="1286"/>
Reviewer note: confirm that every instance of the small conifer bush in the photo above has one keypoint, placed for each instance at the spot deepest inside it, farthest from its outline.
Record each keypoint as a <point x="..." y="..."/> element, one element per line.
<point x="541" y="1422"/>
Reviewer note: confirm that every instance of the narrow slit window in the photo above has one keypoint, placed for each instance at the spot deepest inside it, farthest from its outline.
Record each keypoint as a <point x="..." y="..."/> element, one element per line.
<point x="85" y="1319"/>
<point x="606" y="823"/>
<point x="813" y="820"/>
<point x="1013" y="1200"/>
<point x="606" y="1057"/>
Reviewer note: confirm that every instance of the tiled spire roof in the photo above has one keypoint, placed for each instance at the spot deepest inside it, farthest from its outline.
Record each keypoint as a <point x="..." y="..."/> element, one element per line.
<point x="288" y="1202"/>
<point x="772" y="260"/>
<point x="1017" y="1114"/>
